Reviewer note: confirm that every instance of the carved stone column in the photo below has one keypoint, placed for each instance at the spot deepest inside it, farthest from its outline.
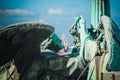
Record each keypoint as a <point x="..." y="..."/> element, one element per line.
<point x="99" y="8"/>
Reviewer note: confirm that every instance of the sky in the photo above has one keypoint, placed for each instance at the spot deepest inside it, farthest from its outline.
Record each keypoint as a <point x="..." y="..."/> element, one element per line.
<point x="57" y="13"/>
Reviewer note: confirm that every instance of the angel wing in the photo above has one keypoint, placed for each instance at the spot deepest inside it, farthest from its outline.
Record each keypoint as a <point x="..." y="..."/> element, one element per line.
<point x="112" y="38"/>
<point x="15" y="37"/>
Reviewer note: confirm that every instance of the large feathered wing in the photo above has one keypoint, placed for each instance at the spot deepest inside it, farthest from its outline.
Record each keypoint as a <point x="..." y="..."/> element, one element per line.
<point x="112" y="38"/>
<point x="22" y="35"/>
<point x="115" y="48"/>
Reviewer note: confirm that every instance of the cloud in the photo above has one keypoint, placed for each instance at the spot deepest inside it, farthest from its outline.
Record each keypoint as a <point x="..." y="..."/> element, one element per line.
<point x="21" y="12"/>
<point x="55" y="11"/>
<point x="43" y="22"/>
<point x="58" y="22"/>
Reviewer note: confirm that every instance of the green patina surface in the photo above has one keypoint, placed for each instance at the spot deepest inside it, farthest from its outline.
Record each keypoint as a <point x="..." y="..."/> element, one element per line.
<point x="36" y="45"/>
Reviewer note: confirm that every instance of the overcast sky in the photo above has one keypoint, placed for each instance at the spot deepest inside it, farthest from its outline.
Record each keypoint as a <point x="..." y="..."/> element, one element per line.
<point x="58" y="13"/>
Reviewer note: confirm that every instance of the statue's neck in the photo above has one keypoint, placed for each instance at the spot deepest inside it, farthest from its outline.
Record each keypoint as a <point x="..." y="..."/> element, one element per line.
<point x="83" y="29"/>
<point x="83" y="32"/>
